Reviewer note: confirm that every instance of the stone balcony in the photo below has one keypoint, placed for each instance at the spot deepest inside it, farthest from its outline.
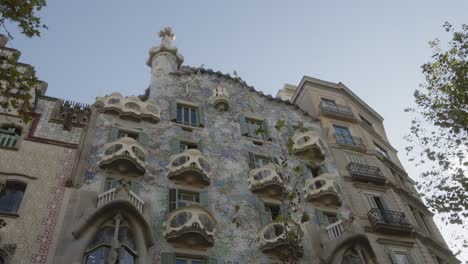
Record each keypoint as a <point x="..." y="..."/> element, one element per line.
<point x="366" y="173"/>
<point x="273" y="239"/>
<point x="266" y="181"/>
<point x="337" y="111"/>
<point x="308" y="146"/>
<point x="130" y="107"/>
<point x="121" y="193"/>
<point x="190" y="167"/>
<point x="391" y="222"/>
<point x="335" y="230"/>
<point x="322" y="190"/>
<point x="192" y="226"/>
<point x="220" y="99"/>
<point x="124" y="155"/>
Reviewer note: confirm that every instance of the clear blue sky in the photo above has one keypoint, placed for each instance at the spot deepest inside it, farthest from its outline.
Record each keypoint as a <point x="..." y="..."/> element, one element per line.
<point x="374" y="47"/>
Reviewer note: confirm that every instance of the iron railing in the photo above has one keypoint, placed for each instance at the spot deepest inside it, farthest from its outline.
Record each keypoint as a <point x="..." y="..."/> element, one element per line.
<point x="336" y="109"/>
<point x="349" y="140"/>
<point x="389" y="218"/>
<point x="363" y="171"/>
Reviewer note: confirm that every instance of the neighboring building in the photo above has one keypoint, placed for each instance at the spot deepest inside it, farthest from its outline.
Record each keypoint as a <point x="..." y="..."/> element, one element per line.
<point x="156" y="178"/>
<point x="383" y="197"/>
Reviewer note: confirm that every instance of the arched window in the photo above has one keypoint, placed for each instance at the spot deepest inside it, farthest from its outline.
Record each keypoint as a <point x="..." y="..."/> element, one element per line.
<point x="11" y="196"/>
<point x="113" y="243"/>
<point x="353" y="256"/>
<point x="9" y="136"/>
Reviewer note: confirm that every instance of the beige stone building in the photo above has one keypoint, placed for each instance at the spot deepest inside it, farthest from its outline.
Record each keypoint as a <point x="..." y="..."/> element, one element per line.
<point x="160" y="177"/>
<point x="382" y="196"/>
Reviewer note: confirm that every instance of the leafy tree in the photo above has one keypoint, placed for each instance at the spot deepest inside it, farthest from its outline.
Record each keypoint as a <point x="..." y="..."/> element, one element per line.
<point x="438" y="139"/>
<point x="293" y="211"/>
<point x="16" y="82"/>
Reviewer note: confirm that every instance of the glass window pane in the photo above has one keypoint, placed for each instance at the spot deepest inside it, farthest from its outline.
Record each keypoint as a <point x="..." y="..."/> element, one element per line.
<point x="128" y="258"/>
<point x="402" y="258"/>
<point x="94" y="257"/>
<point x="196" y="262"/>
<point x="179" y="114"/>
<point x="193" y="117"/>
<point x="186" y="115"/>
<point x="181" y="261"/>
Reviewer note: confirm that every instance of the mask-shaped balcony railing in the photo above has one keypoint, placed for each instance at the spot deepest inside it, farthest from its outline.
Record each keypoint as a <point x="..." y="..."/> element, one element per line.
<point x="130" y="107"/>
<point x="273" y="239"/>
<point x="191" y="226"/>
<point x="124" y="155"/>
<point x="121" y="192"/>
<point x="322" y="189"/>
<point x="389" y="221"/>
<point x="308" y="145"/>
<point x="191" y="167"/>
<point x="220" y="99"/>
<point x="350" y="141"/>
<point x="362" y="172"/>
<point x="336" y="110"/>
<point x="266" y="180"/>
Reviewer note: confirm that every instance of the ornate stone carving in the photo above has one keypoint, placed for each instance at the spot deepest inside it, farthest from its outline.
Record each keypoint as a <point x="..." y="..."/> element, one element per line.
<point x="131" y="107"/>
<point x="191" y="167"/>
<point x="167" y="36"/>
<point x="308" y="145"/>
<point x="71" y="113"/>
<point x="266" y="180"/>
<point x="322" y="189"/>
<point x="273" y="239"/>
<point x="124" y="155"/>
<point x="121" y="192"/>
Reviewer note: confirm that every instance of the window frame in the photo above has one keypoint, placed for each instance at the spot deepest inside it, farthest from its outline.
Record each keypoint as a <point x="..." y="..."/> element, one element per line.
<point x="192" y="113"/>
<point x="366" y="121"/>
<point x="11" y="201"/>
<point x="16" y="135"/>
<point x="381" y="150"/>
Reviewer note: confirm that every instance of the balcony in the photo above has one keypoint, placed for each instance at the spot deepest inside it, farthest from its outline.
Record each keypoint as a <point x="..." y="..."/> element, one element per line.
<point x="392" y="222"/>
<point x="124" y="155"/>
<point x="348" y="141"/>
<point x="220" y="99"/>
<point x="273" y="239"/>
<point x="190" y="167"/>
<point x="336" y="111"/>
<point x="266" y="181"/>
<point x="308" y="146"/>
<point x="322" y="190"/>
<point x="121" y="193"/>
<point x="131" y="107"/>
<point x="335" y="230"/>
<point x="366" y="173"/>
<point x="192" y="226"/>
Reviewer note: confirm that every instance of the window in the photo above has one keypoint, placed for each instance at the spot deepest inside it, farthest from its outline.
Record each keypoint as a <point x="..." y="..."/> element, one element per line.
<point x="183" y="146"/>
<point x="381" y="150"/>
<point x="180" y="260"/>
<point x="356" y="159"/>
<point x="328" y="102"/>
<point x="325" y="218"/>
<point x="258" y="161"/>
<point x="99" y="251"/>
<point x="420" y="219"/>
<point x="367" y="122"/>
<point x="123" y="133"/>
<point x="331" y="217"/>
<point x="9" y="136"/>
<point x="376" y="202"/>
<point x="187" y="115"/>
<point x="250" y="126"/>
<point x="402" y="257"/>
<point x="11" y="196"/>
<point x="182" y="198"/>
<point x="112" y="183"/>
<point x="343" y="135"/>
<point x="273" y="211"/>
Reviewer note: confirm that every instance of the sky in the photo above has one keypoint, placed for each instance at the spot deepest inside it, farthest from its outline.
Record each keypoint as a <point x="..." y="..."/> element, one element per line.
<point x="375" y="48"/>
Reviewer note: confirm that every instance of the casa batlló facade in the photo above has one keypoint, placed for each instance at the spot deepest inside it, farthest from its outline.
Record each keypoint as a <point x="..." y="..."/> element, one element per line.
<point x="162" y="177"/>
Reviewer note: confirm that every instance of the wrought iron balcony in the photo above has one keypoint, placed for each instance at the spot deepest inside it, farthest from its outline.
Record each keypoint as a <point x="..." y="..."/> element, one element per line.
<point x="322" y="189"/>
<point x="361" y="172"/>
<point x="336" y="110"/>
<point x="124" y="155"/>
<point x="266" y="180"/>
<point x="308" y="145"/>
<point x="192" y="226"/>
<point x="273" y="239"/>
<point x="130" y="107"/>
<point x="191" y="167"/>
<point x="387" y="221"/>
<point x="350" y="141"/>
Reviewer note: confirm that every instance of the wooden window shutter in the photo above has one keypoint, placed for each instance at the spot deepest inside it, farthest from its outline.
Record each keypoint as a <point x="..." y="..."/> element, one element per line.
<point x="113" y="134"/>
<point x="371" y="201"/>
<point x="143" y="139"/>
<point x="173" y="110"/>
<point x="172" y="199"/>
<point x="321" y="218"/>
<point x="168" y="258"/>
<point x="265" y="217"/>
<point x="204" y="199"/>
<point x="174" y="145"/>
<point x="243" y="126"/>
<point x="135" y="187"/>
<point x="251" y="160"/>
<point x="200" y="145"/>
<point x="200" y="116"/>
<point x="266" y="129"/>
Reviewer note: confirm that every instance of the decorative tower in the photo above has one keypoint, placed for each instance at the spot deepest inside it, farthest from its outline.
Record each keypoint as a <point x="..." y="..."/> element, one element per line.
<point x="163" y="59"/>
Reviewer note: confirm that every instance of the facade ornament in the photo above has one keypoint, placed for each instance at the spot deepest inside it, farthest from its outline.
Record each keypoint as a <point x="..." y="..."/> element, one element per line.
<point x="70" y="113"/>
<point x="167" y="36"/>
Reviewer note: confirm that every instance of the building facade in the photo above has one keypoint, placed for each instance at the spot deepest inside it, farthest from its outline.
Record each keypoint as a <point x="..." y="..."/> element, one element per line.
<point x="195" y="170"/>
